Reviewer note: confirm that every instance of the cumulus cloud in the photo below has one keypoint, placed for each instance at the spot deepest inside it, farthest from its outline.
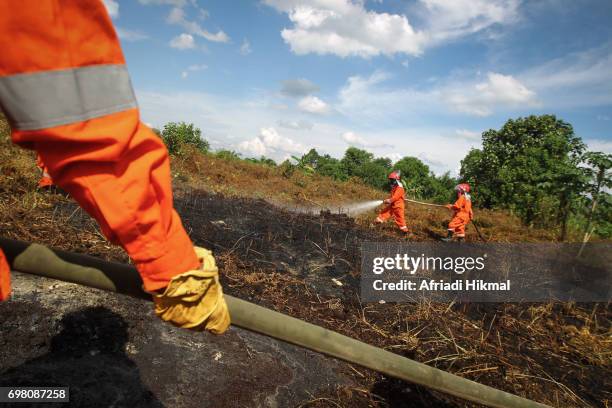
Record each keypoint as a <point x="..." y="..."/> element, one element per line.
<point x="183" y="42"/>
<point x="368" y="98"/>
<point x="130" y="35"/>
<point x="498" y="90"/>
<point x="112" y="7"/>
<point x="346" y="28"/>
<point x="599" y="145"/>
<point x="177" y="16"/>
<point x="358" y="141"/>
<point x="245" y="47"/>
<point x="270" y="143"/>
<point x="193" y="68"/>
<point x="312" y="104"/>
<point x="298" y="87"/>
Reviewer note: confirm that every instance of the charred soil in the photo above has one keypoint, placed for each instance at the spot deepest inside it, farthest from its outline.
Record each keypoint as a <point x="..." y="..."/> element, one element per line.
<point x="556" y="353"/>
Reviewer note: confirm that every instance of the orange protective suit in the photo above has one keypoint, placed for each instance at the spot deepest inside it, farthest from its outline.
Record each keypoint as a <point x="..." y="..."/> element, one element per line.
<point x="462" y="215"/>
<point x="395" y="208"/>
<point x="5" y="278"/>
<point x="65" y="89"/>
<point x="45" y="178"/>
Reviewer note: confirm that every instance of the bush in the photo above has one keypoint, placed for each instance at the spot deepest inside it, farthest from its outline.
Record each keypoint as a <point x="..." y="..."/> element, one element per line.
<point x="177" y="135"/>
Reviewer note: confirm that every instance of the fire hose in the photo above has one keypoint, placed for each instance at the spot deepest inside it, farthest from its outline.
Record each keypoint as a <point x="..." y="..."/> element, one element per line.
<point x="440" y="205"/>
<point x="114" y="277"/>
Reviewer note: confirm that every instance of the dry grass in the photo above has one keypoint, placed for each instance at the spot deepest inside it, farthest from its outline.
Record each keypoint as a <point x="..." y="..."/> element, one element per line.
<point x="560" y="354"/>
<point x="245" y="179"/>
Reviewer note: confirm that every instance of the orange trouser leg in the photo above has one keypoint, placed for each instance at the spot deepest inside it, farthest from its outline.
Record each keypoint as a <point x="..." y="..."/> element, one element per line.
<point x="384" y="215"/>
<point x="5" y="278"/>
<point x="115" y="167"/>
<point x="45" y="178"/>
<point x="457" y="226"/>
<point x="400" y="221"/>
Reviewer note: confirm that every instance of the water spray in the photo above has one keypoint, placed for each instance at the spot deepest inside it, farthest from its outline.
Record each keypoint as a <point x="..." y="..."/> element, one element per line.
<point x="359" y="207"/>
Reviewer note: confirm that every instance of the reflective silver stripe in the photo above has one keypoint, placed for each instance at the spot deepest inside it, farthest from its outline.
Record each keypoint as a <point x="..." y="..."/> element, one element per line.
<point x="53" y="98"/>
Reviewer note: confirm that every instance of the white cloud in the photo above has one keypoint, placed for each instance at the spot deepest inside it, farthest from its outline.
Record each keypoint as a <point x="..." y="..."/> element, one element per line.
<point x="346" y="28"/>
<point x="216" y="116"/>
<point x="193" y="68"/>
<point x="112" y="7"/>
<point x="245" y="47"/>
<point x="481" y="98"/>
<point x="450" y="20"/>
<point x="298" y="87"/>
<point x="577" y="79"/>
<point x="312" y="104"/>
<point x="270" y="143"/>
<point x="352" y="139"/>
<point x="367" y="100"/>
<point x="296" y="124"/>
<point x="183" y="42"/>
<point x="355" y="140"/>
<point x="130" y="35"/>
<point x="177" y="16"/>
<point x="468" y="134"/>
<point x="599" y="145"/>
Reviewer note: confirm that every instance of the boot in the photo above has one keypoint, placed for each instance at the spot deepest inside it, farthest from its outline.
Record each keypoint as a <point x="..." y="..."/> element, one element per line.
<point x="448" y="238"/>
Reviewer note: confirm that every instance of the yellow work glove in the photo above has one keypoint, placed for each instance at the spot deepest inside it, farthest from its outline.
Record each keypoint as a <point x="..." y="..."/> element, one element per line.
<point x="194" y="299"/>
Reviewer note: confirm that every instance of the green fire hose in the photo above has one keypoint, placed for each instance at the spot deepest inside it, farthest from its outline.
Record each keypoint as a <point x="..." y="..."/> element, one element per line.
<point x="89" y="271"/>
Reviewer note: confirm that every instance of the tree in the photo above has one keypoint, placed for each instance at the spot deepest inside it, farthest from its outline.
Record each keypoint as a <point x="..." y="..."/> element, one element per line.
<point x="324" y="165"/>
<point x="266" y="161"/>
<point x="354" y="159"/>
<point x="374" y="173"/>
<point x="416" y="176"/>
<point x="228" y="154"/>
<point x="178" y="135"/>
<point x="442" y="189"/>
<point x="528" y="166"/>
<point x="301" y="164"/>
<point x="599" y="180"/>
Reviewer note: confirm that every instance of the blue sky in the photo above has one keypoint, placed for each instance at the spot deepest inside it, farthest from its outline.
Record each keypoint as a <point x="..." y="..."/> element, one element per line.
<point x="417" y="78"/>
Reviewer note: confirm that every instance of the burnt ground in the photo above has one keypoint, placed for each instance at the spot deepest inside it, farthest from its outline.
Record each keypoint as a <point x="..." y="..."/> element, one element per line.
<point x="113" y="352"/>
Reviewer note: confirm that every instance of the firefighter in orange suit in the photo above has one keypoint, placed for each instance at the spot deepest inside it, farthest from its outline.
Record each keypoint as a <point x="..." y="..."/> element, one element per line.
<point x="395" y="203"/>
<point x="462" y="213"/>
<point x="66" y="92"/>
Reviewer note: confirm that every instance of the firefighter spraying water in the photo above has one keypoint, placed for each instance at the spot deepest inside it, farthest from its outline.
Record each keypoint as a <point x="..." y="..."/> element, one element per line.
<point x="394" y="205"/>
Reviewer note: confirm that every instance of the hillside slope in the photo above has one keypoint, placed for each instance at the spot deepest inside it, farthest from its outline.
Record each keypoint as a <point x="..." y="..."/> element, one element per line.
<point x="285" y="260"/>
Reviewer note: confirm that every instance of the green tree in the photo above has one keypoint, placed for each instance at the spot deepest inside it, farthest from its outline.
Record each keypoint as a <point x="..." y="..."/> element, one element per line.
<point x="324" y="165"/>
<point x="178" y="135"/>
<point x="597" y="187"/>
<point x="416" y="175"/>
<point x="353" y="161"/>
<point x="227" y="154"/>
<point x="528" y="166"/>
<point x="374" y="173"/>
<point x="441" y="189"/>
<point x="262" y="160"/>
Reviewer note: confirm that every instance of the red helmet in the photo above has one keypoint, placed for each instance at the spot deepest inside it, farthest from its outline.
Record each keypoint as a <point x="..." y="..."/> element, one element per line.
<point x="463" y="188"/>
<point x="395" y="175"/>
